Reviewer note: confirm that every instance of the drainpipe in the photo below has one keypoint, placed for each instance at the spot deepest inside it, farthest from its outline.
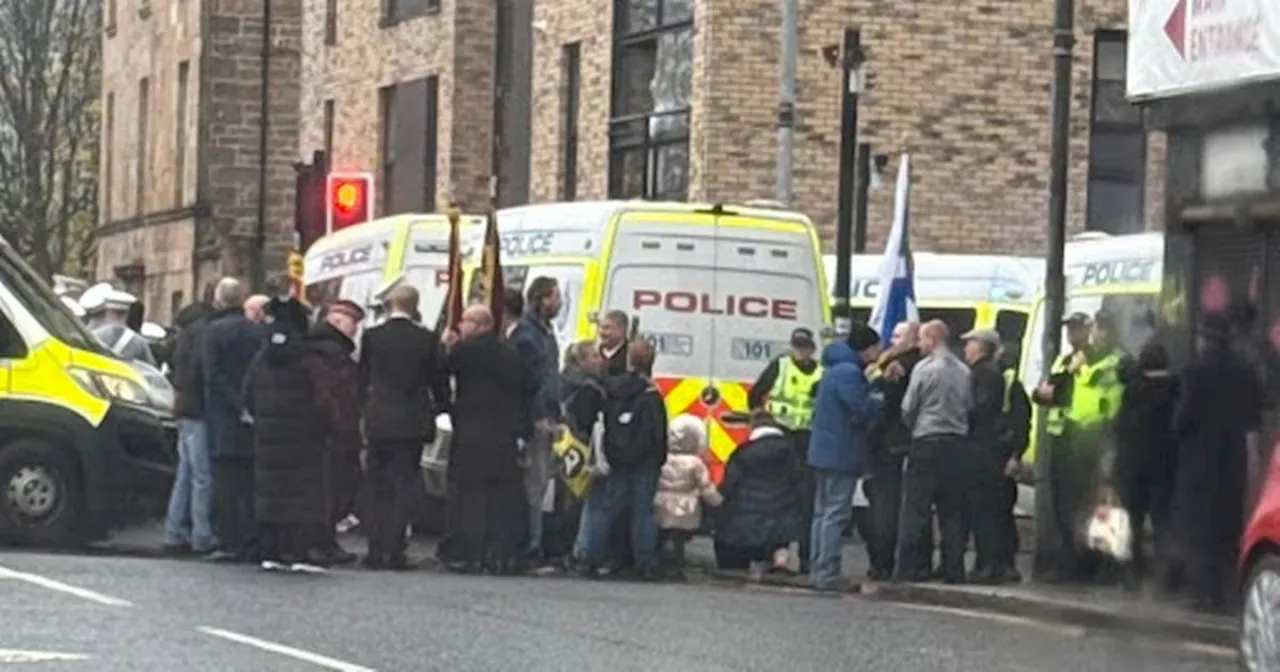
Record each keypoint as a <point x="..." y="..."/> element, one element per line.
<point x="257" y="254"/>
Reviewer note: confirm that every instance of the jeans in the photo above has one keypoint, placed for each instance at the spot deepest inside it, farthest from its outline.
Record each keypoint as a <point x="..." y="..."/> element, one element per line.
<point x="537" y="477"/>
<point x="591" y="504"/>
<point x="832" y="511"/>
<point x="190" y="516"/>
<point x="626" y="488"/>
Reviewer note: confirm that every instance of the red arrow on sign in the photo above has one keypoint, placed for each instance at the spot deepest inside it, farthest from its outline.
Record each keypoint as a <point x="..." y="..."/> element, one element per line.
<point x="1175" y="27"/>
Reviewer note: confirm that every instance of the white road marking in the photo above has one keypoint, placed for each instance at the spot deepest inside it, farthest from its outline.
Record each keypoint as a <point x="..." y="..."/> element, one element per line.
<point x="1071" y="631"/>
<point x="281" y="649"/>
<point x="16" y="656"/>
<point x="45" y="582"/>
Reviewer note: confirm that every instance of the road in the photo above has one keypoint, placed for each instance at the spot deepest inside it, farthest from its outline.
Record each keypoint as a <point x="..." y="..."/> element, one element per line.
<point x="113" y="613"/>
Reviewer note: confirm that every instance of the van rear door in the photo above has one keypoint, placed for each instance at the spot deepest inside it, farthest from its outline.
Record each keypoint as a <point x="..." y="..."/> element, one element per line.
<point x="718" y="295"/>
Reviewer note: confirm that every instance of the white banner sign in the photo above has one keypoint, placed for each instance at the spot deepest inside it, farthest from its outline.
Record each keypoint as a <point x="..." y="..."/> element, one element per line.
<point x="1185" y="46"/>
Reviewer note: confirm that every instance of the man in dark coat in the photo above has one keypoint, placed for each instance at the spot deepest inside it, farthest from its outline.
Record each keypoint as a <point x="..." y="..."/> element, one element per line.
<point x="613" y="341"/>
<point x="489" y="419"/>
<point x="890" y="442"/>
<point x="189" y="524"/>
<point x="290" y="426"/>
<point x="230" y="343"/>
<point x="336" y="379"/>
<point x="1217" y="420"/>
<point x="403" y="390"/>
<point x="990" y="456"/>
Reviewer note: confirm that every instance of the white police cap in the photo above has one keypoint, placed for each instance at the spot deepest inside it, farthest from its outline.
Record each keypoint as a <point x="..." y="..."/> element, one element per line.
<point x="94" y="299"/>
<point x="118" y="300"/>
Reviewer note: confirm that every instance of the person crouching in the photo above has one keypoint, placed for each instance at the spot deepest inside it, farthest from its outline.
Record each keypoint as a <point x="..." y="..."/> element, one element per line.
<point x="290" y="498"/>
<point x="683" y="487"/>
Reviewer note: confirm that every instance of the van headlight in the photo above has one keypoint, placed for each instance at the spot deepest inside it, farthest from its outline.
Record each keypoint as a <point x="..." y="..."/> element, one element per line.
<point x="110" y="387"/>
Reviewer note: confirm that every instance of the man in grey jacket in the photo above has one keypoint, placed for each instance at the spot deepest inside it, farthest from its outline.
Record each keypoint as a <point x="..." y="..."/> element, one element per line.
<point x="936" y="409"/>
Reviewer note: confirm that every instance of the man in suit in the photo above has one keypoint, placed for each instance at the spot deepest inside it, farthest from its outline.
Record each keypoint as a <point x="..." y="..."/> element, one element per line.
<point x="403" y="391"/>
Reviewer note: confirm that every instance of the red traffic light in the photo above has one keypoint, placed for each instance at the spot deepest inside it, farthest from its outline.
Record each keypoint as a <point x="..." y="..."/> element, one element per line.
<point x="349" y="199"/>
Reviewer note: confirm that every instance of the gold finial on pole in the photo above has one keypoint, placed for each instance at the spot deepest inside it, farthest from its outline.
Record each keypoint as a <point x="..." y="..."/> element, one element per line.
<point x="904" y="143"/>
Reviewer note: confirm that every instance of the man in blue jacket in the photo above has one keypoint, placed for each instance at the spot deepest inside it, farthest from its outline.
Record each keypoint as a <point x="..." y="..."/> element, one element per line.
<point x="534" y="337"/>
<point x="839" y="450"/>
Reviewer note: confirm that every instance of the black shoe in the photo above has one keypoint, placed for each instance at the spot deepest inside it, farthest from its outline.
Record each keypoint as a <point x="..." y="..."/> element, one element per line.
<point x="373" y="562"/>
<point x="650" y="575"/>
<point x="879" y="574"/>
<point x="913" y="577"/>
<point x="399" y="563"/>
<point x="336" y="556"/>
<point x="985" y="576"/>
<point x="953" y="579"/>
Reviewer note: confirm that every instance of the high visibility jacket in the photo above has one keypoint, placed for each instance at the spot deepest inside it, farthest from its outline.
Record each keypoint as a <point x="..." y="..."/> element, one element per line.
<point x="791" y="398"/>
<point x="1097" y="391"/>
<point x="1055" y="419"/>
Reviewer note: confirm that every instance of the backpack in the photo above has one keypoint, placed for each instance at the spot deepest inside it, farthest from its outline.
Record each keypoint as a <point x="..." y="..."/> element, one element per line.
<point x="627" y="438"/>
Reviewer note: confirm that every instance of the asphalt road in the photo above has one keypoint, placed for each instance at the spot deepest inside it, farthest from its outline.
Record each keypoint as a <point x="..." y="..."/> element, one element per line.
<point x="110" y="613"/>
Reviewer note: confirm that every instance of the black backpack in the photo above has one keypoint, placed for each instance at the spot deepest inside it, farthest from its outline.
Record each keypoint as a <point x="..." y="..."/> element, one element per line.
<point x="627" y="439"/>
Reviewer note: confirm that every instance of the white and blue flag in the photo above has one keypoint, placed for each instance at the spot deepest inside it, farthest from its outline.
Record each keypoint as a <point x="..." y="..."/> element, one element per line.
<point x="896" y="301"/>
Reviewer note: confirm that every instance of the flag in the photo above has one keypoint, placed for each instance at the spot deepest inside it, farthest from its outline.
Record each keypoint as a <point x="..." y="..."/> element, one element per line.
<point x="896" y="302"/>
<point x="451" y="309"/>
<point x="492" y="286"/>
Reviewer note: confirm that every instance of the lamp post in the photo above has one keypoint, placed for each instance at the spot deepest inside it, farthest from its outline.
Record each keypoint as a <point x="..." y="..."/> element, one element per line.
<point x="852" y="61"/>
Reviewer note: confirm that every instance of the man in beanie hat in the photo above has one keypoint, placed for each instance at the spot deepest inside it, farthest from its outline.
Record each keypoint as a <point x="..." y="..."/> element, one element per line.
<point x="845" y="412"/>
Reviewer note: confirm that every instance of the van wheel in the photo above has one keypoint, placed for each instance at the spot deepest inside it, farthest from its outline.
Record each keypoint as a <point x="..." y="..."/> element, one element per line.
<point x="40" y="501"/>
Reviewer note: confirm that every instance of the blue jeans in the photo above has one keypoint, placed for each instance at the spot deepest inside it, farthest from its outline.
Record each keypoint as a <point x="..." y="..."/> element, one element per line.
<point x="190" y="517"/>
<point x="590" y="507"/>
<point x="832" y="511"/>
<point x="634" y="488"/>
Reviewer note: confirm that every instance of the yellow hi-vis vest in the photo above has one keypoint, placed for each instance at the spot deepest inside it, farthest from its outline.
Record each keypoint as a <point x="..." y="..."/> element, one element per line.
<point x="1096" y="392"/>
<point x="1055" y="419"/>
<point x="1010" y="379"/>
<point x="791" y="397"/>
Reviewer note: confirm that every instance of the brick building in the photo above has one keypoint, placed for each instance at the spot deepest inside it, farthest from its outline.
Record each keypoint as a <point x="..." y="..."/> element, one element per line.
<point x="181" y="159"/>
<point x="677" y="99"/>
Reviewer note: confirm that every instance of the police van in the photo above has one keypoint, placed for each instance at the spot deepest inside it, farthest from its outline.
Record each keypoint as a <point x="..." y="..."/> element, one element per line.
<point x="717" y="290"/>
<point x="1119" y="274"/>
<point x="355" y="262"/>
<point x="966" y="291"/>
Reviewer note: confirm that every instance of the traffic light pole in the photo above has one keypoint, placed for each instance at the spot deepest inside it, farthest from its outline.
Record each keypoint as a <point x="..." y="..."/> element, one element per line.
<point x="787" y="101"/>
<point x="845" y="206"/>
<point x="1055" y="285"/>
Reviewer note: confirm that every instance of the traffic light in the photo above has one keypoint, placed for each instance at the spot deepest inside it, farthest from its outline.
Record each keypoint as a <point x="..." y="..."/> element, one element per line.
<point x="350" y="200"/>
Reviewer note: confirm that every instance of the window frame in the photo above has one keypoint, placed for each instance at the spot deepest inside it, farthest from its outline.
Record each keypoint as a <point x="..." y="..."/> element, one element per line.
<point x="144" y="149"/>
<point x="1110" y="173"/>
<point x="395" y="12"/>
<point x="180" y="134"/>
<point x="330" y="22"/>
<point x="431" y="145"/>
<point x="108" y="155"/>
<point x="386" y="155"/>
<point x="620" y="125"/>
<point x="571" y="65"/>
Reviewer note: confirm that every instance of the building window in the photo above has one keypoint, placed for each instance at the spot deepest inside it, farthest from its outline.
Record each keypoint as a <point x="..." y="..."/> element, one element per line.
<point x="652" y="87"/>
<point x="409" y="114"/>
<point x="180" y="137"/>
<point x="328" y="130"/>
<point x="572" y="63"/>
<point x="110" y="18"/>
<point x="1117" y="144"/>
<point x="140" y="168"/>
<point x="398" y="11"/>
<point x="330" y="22"/>
<point x="108" y="156"/>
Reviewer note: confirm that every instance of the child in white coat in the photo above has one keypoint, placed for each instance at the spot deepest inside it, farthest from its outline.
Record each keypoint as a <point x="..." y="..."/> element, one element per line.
<point x="683" y="487"/>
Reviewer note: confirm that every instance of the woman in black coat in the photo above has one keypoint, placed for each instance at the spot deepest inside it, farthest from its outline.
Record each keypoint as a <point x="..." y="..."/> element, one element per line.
<point x="289" y="495"/>
<point x="762" y="506"/>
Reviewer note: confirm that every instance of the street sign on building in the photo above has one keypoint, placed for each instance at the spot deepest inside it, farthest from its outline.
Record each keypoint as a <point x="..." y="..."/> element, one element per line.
<point x="1190" y="46"/>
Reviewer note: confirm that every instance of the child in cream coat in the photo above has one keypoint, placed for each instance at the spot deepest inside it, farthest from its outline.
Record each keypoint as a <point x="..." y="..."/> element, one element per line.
<point x="683" y="487"/>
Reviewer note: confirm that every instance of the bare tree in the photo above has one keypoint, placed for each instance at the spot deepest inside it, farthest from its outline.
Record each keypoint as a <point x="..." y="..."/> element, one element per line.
<point x="50" y="65"/>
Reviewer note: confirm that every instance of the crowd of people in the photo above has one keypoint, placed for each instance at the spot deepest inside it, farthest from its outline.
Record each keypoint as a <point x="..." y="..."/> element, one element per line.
<point x="291" y="422"/>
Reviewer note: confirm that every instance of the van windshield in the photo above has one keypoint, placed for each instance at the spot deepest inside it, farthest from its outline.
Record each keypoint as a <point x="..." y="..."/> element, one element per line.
<point x="1136" y="318"/>
<point x="39" y="300"/>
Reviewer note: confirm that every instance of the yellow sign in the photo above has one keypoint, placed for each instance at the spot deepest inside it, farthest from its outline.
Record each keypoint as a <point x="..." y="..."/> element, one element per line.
<point x="575" y="463"/>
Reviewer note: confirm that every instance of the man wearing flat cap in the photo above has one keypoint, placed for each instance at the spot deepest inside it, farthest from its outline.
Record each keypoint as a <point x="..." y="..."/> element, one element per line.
<point x="335" y="376"/>
<point x="986" y="427"/>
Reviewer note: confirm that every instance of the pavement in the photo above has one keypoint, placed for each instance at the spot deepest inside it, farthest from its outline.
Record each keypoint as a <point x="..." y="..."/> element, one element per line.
<point x="1145" y="613"/>
<point x="113" y="613"/>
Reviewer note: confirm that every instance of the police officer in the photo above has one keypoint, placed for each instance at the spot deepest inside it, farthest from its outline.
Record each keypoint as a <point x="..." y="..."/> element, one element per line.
<point x="107" y="310"/>
<point x="786" y="389"/>
<point x="1083" y="396"/>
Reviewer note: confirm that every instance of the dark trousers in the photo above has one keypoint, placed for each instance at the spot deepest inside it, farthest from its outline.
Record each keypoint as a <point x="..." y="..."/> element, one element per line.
<point x="233" y="490"/>
<point x="394" y="469"/>
<point x="284" y="543"/>
<point x="937" y="476"/>
<point x="801" y="442"/>
<point x="884" y="493"/>
<point x="991" y="510"/>
<point x="673" y="543"/>
<point x="1073" y="475"/>
<point x="1009" y="523"/>
<point x="490" y="513"/>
